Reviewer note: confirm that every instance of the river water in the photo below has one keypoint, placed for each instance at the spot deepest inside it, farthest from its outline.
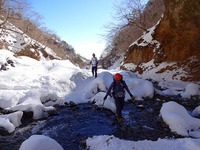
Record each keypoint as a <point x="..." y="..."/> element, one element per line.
<point x="73" y="125"/>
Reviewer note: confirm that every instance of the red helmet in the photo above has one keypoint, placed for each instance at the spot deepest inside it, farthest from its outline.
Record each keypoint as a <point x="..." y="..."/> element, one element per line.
<point x="118" y="77"/>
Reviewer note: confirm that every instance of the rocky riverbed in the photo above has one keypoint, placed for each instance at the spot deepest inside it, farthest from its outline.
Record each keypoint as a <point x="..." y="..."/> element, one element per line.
<point x="75" y="123"/>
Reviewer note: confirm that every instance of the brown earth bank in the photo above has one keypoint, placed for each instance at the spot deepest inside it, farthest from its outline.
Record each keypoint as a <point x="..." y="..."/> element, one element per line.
<point x="179" y="38"/>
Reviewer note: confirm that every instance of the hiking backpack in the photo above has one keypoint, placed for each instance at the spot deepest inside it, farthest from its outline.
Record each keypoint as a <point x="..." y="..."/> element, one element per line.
<point x="118" y="89"/>
<point x="94" y="61"/>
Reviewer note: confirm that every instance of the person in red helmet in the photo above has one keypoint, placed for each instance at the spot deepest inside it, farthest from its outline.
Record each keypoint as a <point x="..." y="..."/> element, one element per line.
<point x="118" y="87"/>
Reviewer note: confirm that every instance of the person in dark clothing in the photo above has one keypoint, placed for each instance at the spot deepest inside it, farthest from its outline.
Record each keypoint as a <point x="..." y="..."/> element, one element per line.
<point x="94" y="63"/>
<point x="118" y="88"/>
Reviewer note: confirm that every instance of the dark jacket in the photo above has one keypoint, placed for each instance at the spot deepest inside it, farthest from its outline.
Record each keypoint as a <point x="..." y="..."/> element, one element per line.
<point x="118" y="89"/>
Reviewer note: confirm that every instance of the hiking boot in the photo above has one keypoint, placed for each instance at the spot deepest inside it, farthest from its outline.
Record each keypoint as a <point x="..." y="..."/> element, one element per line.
<point x="114" y="122"/>
<point x="120" y="120"/>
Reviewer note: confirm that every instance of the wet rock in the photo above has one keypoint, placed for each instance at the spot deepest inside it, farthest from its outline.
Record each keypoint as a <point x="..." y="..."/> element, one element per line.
<point x="150" y="110"/>
<point x="6" y="111"/>
<point x="10" y="61"/>
<point x="3" y="67"/>
<point x="52" y="112"/>
<point x="27" y="115"/>
<point x="3" y="131"/>
<point x="141" y="107"/>
<point x="72" y="105"/>
<point x="82" y="144"/>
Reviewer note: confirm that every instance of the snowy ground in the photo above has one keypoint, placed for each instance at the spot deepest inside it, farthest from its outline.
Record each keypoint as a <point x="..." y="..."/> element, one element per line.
<point x="39" y="85"/>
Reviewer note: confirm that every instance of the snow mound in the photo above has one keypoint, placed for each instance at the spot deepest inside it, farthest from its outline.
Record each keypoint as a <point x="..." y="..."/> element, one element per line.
<point x="140" y="88"/>
<point x="32" y="102"/>
<point x="106" y="142"/>
<point x="40" y="142"/>
<point x="108" y="104"/>
<point x="179" y="120"/>
<point x="191" y="90"/>
<point x="11" y="121"/>
<point x="97" y="85"/>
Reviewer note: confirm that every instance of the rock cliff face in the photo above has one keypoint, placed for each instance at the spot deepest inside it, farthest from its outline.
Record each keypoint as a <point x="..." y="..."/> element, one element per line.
<point x="178" y="35"/>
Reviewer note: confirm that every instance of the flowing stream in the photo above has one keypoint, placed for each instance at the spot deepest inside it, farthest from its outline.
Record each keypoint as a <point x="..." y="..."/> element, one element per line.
<point x="73" y="125"/>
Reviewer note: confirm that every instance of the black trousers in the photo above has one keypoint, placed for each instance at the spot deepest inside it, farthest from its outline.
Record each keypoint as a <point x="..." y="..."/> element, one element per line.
<point x="94" y="71"/>
<point x="119" y="102"/>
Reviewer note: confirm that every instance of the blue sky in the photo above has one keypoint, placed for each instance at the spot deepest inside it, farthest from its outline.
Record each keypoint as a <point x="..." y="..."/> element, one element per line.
<point x="78" y="22"/>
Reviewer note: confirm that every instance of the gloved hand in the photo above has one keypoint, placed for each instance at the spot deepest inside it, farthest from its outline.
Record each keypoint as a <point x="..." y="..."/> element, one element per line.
<point x="105" y="98"/>
<point x="132" y="98"/>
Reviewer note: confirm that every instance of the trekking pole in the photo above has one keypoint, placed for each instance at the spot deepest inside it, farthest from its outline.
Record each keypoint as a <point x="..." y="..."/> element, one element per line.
<point x="103" y="104"/>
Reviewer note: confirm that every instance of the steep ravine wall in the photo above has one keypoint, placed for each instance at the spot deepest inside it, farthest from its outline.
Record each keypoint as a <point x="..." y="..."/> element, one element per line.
<point x="179" y="36"/>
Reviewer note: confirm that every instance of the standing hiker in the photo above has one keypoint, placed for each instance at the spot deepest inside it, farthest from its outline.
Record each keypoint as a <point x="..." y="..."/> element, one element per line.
<point x="118" y="88"/>
<point x="94" y="63"/>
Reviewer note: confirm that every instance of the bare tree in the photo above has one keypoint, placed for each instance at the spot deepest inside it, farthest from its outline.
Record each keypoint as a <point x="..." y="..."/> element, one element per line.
<point x="4" y="12"/>
<point x="134" y="13"/>
<point x="130" y="12"/>
<point x="12" y="9"/>
<point x="132" y="18"/>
